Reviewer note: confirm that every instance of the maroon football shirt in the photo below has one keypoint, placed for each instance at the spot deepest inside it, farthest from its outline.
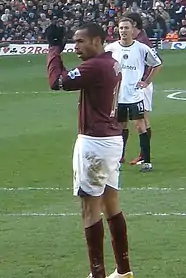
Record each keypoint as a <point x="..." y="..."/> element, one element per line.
<point x="98" y="80"/>
<point x="143" y="38"/>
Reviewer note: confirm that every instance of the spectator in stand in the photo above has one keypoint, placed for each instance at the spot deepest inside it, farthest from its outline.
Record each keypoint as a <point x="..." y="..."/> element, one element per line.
<point x="161" y="28"/>
<point x="165" y="15"/>
<point x="182" y="34"/>
<point x="183" y="22"/>
<point x="134" y="8"/>
<point x="124" y="7"/>
<point x="116" y="33"/>
<point x="169" y="7"/>
<point x="27" y="20"/>
<point x="2" y="27"/>
<point x="179" y="11"/>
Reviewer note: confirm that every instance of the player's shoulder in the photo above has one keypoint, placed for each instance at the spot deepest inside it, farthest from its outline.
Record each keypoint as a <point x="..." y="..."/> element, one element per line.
<point x="99" y="61"/>
<point x="141" y="45"/>
<point x="112" y="46"/>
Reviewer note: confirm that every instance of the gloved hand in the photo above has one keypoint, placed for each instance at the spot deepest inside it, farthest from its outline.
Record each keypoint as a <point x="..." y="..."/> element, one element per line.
<point x="56" y="36"/>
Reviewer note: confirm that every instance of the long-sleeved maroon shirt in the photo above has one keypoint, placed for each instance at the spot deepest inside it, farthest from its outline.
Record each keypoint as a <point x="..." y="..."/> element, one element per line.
<point x="98" y="80"/>
<point x="143" y="38"/>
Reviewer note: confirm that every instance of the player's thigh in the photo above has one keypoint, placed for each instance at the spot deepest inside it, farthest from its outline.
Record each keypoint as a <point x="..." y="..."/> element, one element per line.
<point x="96" y="160"/>
<point x="122" y="113"/>
<point x="148" y="97"/>
<point x="136" y="110"/>
<point x="113" y="165"/>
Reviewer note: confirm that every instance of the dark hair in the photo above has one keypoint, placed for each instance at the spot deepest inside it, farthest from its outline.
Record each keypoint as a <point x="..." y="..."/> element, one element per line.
<point x="136" y="19"/>
<point x="94" y="30"/>
<point x="126" y="19"/>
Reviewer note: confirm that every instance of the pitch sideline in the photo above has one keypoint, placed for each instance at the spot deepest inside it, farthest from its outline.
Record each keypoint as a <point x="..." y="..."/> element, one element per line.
<point x="40" y="214"/>
<point x="13" y="189"/>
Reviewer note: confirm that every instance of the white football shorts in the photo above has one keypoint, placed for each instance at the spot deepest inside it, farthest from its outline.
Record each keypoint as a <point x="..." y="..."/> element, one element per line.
<point x="148" y="93"/>
<point x="96" y="164"/>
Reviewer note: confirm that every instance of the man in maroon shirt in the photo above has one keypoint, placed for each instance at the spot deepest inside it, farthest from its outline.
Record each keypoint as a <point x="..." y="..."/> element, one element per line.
<point x="99" y="144"/>
<point x="141" y="36"/>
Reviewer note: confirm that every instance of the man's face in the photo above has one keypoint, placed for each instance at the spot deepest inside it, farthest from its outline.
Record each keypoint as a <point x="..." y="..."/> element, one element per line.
<point x="85" y="47"/>
<point x="160" y="9"/>
<point x="111" y="24"/>
<point x="125" y="30"/>
<point x="32" y="24"/>
<point x="183" y="31"/>
<point x="183" y="22"/>
<point x="134" y="5"/>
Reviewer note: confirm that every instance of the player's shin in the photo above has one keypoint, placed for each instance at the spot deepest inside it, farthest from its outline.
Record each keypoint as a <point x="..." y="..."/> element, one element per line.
<point x="94" y="237"/>
<point x="149" y="132"/>
<point x="141" y="156"/>
<point x="94" y="233"/>
<point x="118" y="230"/>
<point x="145" y="146"/>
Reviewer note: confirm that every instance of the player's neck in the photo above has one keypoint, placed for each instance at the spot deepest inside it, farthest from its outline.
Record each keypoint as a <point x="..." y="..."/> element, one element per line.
<point x="100" y="50"/>
<point x="126" y="42"/>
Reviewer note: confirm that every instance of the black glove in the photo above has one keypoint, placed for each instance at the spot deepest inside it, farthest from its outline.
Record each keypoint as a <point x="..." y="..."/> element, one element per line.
<point x="56" y="36"/>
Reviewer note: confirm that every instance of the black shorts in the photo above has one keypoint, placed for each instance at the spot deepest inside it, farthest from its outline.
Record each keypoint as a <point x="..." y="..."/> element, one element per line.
<point x="130" y="111"/>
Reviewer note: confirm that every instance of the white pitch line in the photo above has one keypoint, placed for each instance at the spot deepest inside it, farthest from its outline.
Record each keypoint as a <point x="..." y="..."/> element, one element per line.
<point x="25" y="93"/>
<point x="34" y="189"/>
<point x="40" y="214"/>
<point x="175" y="96"/>
<point x="67" y="189"/>
<point x="34" y="93"/>
<point x="175" y="90"/>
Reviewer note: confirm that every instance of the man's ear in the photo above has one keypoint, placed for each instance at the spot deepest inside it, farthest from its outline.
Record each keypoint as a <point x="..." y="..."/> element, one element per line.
<point x="96" y="41"/>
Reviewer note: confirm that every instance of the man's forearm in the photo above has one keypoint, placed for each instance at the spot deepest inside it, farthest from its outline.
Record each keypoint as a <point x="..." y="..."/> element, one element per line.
<point x="152" y="74"/>
<point x="55" y="67"/>
<point x="59" y="77"/>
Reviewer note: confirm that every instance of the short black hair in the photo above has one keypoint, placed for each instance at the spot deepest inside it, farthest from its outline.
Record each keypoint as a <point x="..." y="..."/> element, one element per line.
<point x="94" y="30"/>
<point x="136" y="18"/>
<point x="126" y="19"/>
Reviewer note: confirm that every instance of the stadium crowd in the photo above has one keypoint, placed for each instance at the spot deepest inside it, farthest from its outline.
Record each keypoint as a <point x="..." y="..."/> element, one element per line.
<point x="27" y="20"/>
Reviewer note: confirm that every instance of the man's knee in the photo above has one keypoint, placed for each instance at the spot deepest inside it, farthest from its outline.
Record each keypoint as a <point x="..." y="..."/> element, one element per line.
<point x="91" y="210"/>
<point x="140" y="125"/>
<point x="110" y="202"/>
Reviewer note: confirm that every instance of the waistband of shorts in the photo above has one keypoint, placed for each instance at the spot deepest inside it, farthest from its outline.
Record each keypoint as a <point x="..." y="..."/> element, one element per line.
<point x="116" y="137"/>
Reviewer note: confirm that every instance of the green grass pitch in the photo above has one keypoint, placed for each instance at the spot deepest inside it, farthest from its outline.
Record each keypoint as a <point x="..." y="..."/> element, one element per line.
<point x="41" y="233"/>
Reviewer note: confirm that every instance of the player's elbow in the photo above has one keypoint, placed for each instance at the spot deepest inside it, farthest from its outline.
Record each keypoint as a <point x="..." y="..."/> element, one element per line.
<point x="70" y="85"/>
<point x="158" y="68"/>
<point x="66" y="87"/>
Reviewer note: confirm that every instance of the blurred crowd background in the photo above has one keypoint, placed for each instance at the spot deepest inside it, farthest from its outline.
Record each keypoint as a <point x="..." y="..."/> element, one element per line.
<point x="26" y="21"/>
